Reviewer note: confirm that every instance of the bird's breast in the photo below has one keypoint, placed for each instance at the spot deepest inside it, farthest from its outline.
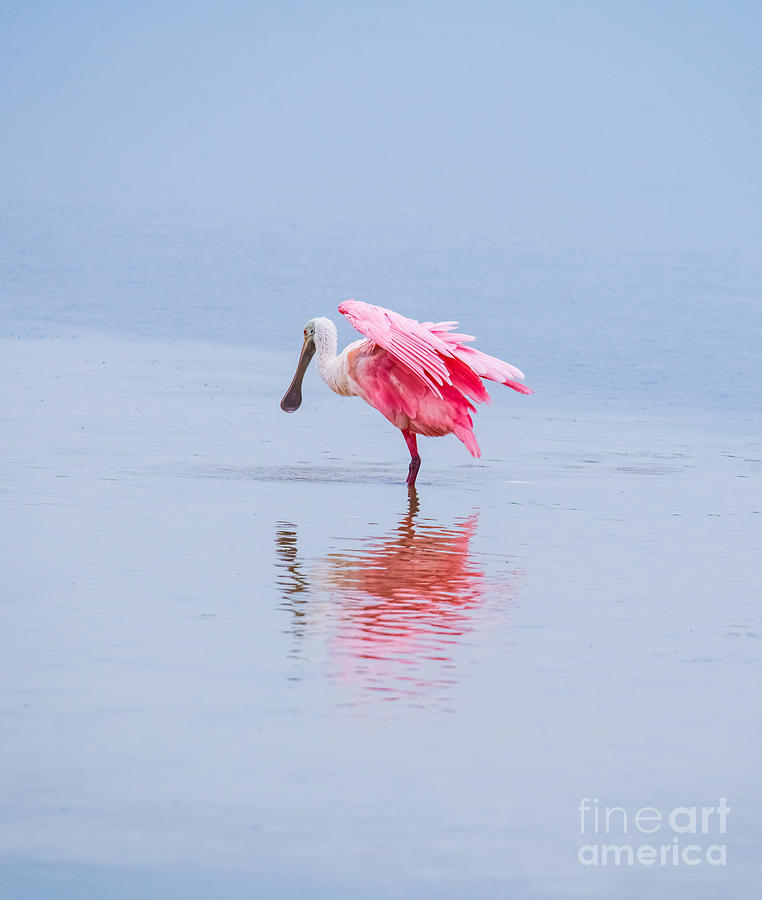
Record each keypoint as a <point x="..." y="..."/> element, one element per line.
<point x="337" y="372"/>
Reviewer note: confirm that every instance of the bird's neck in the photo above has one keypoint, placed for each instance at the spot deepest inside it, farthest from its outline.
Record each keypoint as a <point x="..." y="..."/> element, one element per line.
<point x="326" y="343"/>
<point x="332" y="368"/>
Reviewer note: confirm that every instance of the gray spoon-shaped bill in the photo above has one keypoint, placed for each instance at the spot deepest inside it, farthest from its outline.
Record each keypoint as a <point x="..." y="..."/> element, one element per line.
<point x="292" y="399"/>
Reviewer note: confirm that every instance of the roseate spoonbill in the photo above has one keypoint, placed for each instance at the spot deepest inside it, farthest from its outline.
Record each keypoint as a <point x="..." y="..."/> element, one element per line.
<point x="420" y="375"/>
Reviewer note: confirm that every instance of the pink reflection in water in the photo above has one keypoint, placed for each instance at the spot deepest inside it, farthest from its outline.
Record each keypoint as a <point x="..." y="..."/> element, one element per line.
<point x="397" y="607"/>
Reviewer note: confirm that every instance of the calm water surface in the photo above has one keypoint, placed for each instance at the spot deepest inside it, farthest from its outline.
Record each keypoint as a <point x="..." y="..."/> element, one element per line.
<point x="240" y="659"/>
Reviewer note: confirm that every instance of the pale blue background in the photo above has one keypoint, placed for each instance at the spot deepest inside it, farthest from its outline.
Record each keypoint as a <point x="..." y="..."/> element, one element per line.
<point x="579" y="184"/>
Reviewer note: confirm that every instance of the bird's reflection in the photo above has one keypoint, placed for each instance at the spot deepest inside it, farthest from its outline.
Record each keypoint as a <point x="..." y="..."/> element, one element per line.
<point x="394" y="607"/>
<point x="292" y="581"/>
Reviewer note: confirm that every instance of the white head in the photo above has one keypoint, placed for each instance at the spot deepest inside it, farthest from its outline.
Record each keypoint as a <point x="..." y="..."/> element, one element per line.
<point x="324" y="334"/>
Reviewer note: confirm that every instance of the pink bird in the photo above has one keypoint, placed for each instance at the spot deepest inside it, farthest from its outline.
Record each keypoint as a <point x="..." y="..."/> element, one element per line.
<point x="420" y="375"/>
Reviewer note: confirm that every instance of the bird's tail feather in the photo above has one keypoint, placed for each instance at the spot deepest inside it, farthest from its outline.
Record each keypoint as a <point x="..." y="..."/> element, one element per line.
<point x="521" y="388"/>
<point x="465" y="434"/>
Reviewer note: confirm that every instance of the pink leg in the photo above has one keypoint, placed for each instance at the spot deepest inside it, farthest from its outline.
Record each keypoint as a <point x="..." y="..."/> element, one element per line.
<point x="415" y="459"/>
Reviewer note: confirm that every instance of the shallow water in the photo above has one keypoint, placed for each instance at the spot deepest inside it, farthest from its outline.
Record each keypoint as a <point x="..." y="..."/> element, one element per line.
<point x="241" y="658"/>
<point x="592" y="325"/>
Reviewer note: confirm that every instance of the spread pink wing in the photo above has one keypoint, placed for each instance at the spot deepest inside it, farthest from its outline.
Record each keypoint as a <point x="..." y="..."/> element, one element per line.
<point x="408" y="341"/>
<point x="435" y="355"/>
<point x="484" y="365"/>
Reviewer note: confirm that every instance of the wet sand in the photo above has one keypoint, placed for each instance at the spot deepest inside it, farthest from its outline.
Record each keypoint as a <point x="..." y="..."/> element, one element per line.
<point x="241" y="660"/>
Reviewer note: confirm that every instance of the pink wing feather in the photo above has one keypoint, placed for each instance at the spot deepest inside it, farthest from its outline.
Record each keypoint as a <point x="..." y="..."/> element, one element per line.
<point x="432" y="352"/>
<point x="407" y="340"/>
